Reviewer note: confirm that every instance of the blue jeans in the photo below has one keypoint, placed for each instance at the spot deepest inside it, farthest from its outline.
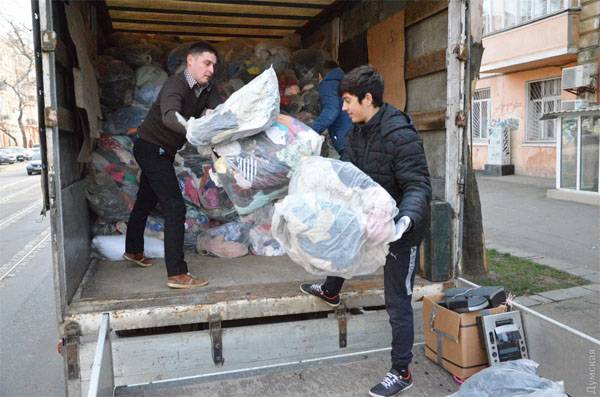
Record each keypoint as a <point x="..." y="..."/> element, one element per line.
<point x="398" y="279"/>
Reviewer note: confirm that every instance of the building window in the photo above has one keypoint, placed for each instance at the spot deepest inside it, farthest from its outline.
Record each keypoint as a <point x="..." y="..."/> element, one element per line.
<point x="481" y="114"/>
<point x="542" y="97"/>
<point x="504" y="14"/>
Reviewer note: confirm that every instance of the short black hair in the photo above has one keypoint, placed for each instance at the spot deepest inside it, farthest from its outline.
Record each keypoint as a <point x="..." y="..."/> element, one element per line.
<point x="327" y="66"/>
<point x="199" y="47"/>
<point x="362" y="80"/>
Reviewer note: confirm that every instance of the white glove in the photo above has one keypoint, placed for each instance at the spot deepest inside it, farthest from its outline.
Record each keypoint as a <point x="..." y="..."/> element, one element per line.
<point x="402" y="226"/>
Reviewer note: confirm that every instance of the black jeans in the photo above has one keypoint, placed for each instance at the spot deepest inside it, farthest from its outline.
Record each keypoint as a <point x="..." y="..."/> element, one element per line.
<point x="158" y="184"/>
<point x="398" y="279"/>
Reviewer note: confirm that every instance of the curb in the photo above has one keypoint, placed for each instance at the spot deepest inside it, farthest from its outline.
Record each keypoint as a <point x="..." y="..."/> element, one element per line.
<point x="559" y="295"/>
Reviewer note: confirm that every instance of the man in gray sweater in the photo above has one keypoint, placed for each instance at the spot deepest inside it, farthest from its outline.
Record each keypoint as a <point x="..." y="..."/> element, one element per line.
<point x="190" y="94"/>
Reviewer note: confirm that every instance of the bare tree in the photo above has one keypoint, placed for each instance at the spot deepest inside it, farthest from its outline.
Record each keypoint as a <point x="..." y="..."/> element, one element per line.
<point x="22" y="82"/>
<point x="5" y="130"/>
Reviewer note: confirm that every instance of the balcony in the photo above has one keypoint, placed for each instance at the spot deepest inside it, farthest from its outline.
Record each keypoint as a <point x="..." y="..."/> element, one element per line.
<point x="520" y="38"/>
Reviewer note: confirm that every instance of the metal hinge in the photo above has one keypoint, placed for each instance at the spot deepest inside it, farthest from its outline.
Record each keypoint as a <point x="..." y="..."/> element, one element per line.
<point x="216" y="338"/>
<point x="50" y="117"/>
<point x="340" y="313"/>
<point x="48" y="41"/>
<point x="461" y="119"/>
<point x="70" y="348"/>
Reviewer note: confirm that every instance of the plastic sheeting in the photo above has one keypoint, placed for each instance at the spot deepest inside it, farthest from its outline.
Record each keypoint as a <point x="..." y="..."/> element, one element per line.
<point x="255" y="171"/>
<point x="510" y="379"/>
<point x="247" y="112"/>
<point x="325" y="220"/>
<point x="227" y="241"/>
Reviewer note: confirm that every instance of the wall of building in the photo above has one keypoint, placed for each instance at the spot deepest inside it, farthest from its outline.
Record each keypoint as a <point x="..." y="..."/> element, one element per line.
<point x="508" y="101"/>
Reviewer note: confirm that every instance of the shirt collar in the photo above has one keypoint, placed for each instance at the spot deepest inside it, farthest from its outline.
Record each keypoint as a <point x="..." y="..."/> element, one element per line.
<point x="190" y="80"/>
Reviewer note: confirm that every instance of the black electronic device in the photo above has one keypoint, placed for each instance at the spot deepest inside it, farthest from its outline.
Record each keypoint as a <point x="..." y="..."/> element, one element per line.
<point x="464" y="300"/>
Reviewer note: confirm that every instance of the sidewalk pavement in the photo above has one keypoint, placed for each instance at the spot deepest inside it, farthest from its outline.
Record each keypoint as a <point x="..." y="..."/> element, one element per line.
<point x="519" y="219"/>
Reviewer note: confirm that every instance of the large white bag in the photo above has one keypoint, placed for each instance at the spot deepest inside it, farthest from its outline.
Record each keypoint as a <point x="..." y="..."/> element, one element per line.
<point x="335" y="220"/>
<point x="248" y="111"/>
<point x="113" y="247"/>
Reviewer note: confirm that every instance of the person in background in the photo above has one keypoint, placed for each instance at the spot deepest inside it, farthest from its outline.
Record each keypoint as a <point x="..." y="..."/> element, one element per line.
<point x="332" y="118"/>
<point x="385" y="145"/>
<point x="160" y="136"/>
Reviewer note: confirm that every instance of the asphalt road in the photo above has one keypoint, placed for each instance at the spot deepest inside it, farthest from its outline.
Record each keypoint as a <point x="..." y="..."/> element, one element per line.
<point x="29" y="362"/>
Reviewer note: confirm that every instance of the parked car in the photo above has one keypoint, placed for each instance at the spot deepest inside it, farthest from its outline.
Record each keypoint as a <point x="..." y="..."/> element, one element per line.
<point x="35" y="165"/>
<point x="22" y="153"/>
<point x="7" y="156"/>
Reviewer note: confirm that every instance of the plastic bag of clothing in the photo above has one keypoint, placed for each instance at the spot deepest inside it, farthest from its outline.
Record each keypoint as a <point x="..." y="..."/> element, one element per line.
<point x="136" y="54"/>
<point x="256" y="170"/>
<point x="149" y="80"/>
<point x="113" y="247"/>
<point x="215" y="202"/>
<point x="260" y="238"/>
<point x="194" y="158"/>
<point x="247" y="112"/>
<point x="306" y="63"/>
<point x="116" y="81"/>
<point x="196" y="222"/>
<point x="272" y="54"/>
<point x="510" y="379"/>
<point x="125" y="121"/>
<point x="106" y="199"/>
<point x="227" y="241"/>
<point x="176" y="60"/>
<point x="188" y="183"/>
<point x="114" y="157"/>
<point x="335" y="220"/>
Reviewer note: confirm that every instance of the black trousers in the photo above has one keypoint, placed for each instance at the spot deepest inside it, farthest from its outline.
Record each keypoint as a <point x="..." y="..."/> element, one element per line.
<point x="158" y="184"/>
<point x="398" y="279"/>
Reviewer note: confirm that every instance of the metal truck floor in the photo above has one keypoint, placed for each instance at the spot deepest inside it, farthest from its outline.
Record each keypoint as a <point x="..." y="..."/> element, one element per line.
<point x="343" y="377"/>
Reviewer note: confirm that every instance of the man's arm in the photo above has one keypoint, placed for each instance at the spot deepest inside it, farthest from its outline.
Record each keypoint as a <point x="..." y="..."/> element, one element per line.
<point x="330" y="106"/>
<point x="412" y="177"/>
<point x="171" y="102"/>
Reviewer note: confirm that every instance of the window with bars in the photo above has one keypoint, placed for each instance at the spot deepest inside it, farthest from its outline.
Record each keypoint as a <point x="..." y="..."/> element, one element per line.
<point x="481" y="114"/>
<point x="543" y="97"/>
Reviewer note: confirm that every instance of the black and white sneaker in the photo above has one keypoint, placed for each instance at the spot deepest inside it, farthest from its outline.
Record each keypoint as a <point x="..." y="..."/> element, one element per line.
<point x="315" y="289"/>
<point x="392" y="384"/>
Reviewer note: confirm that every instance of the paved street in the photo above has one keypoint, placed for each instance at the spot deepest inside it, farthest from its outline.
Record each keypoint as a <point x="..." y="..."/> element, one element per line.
<point x="29" y="363"/>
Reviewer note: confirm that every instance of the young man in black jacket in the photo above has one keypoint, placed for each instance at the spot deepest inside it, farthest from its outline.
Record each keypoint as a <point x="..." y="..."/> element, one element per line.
<point x="385" y="145"/>
<point x="190" y="94"/>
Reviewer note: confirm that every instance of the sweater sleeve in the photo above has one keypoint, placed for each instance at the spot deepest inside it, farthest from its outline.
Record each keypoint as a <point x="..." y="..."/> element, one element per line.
<point x="171" y="102"/>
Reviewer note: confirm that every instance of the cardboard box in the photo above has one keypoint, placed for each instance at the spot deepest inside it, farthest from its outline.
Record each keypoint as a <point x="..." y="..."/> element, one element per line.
<point x="453" y="340"/>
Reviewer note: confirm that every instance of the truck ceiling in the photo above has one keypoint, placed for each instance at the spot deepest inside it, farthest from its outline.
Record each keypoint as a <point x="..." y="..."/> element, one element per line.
<point x="220" y="20"/>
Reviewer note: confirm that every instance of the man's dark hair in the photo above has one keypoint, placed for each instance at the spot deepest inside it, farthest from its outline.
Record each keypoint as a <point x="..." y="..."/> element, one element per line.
<point x="326" y="67"/>
<point x="362" y="80"/>
<point x="200" y="47"/>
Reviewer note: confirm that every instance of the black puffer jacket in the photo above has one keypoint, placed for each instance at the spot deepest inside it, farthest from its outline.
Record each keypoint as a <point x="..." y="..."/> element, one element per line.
<point x="390" y="151"/>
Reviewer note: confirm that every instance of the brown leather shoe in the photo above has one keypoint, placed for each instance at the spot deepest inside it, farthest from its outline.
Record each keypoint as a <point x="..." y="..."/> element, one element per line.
<point x="184" y="281"/>
<point x="138" y="259"/>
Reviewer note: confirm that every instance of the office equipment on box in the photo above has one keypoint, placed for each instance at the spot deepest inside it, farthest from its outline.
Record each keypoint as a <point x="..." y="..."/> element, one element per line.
<point x="503" y="337"/>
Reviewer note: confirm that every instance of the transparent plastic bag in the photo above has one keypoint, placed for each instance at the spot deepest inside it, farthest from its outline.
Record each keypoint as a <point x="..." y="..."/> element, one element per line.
<point x="177" y="59"/>
<point x="149" y="80"/>
<point x="106" y="199"/>
<point x="255" y="171"/>
<point x="260" y="237"/>
<point x="323" y="222"/>
<point x="510" y="379"/>
<point x="227" y="241"/>
<point x="116" y="81"/>
<point x="126" y="120"/>
<point x="113" y="247"/>
<point x="247" y="112"/>
<point x="196" y="222"/>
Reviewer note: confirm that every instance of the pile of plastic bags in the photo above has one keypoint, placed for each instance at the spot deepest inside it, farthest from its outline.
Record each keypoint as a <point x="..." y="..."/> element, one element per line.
<point x="335" y="221"/>
<point x="229" y="193"/>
